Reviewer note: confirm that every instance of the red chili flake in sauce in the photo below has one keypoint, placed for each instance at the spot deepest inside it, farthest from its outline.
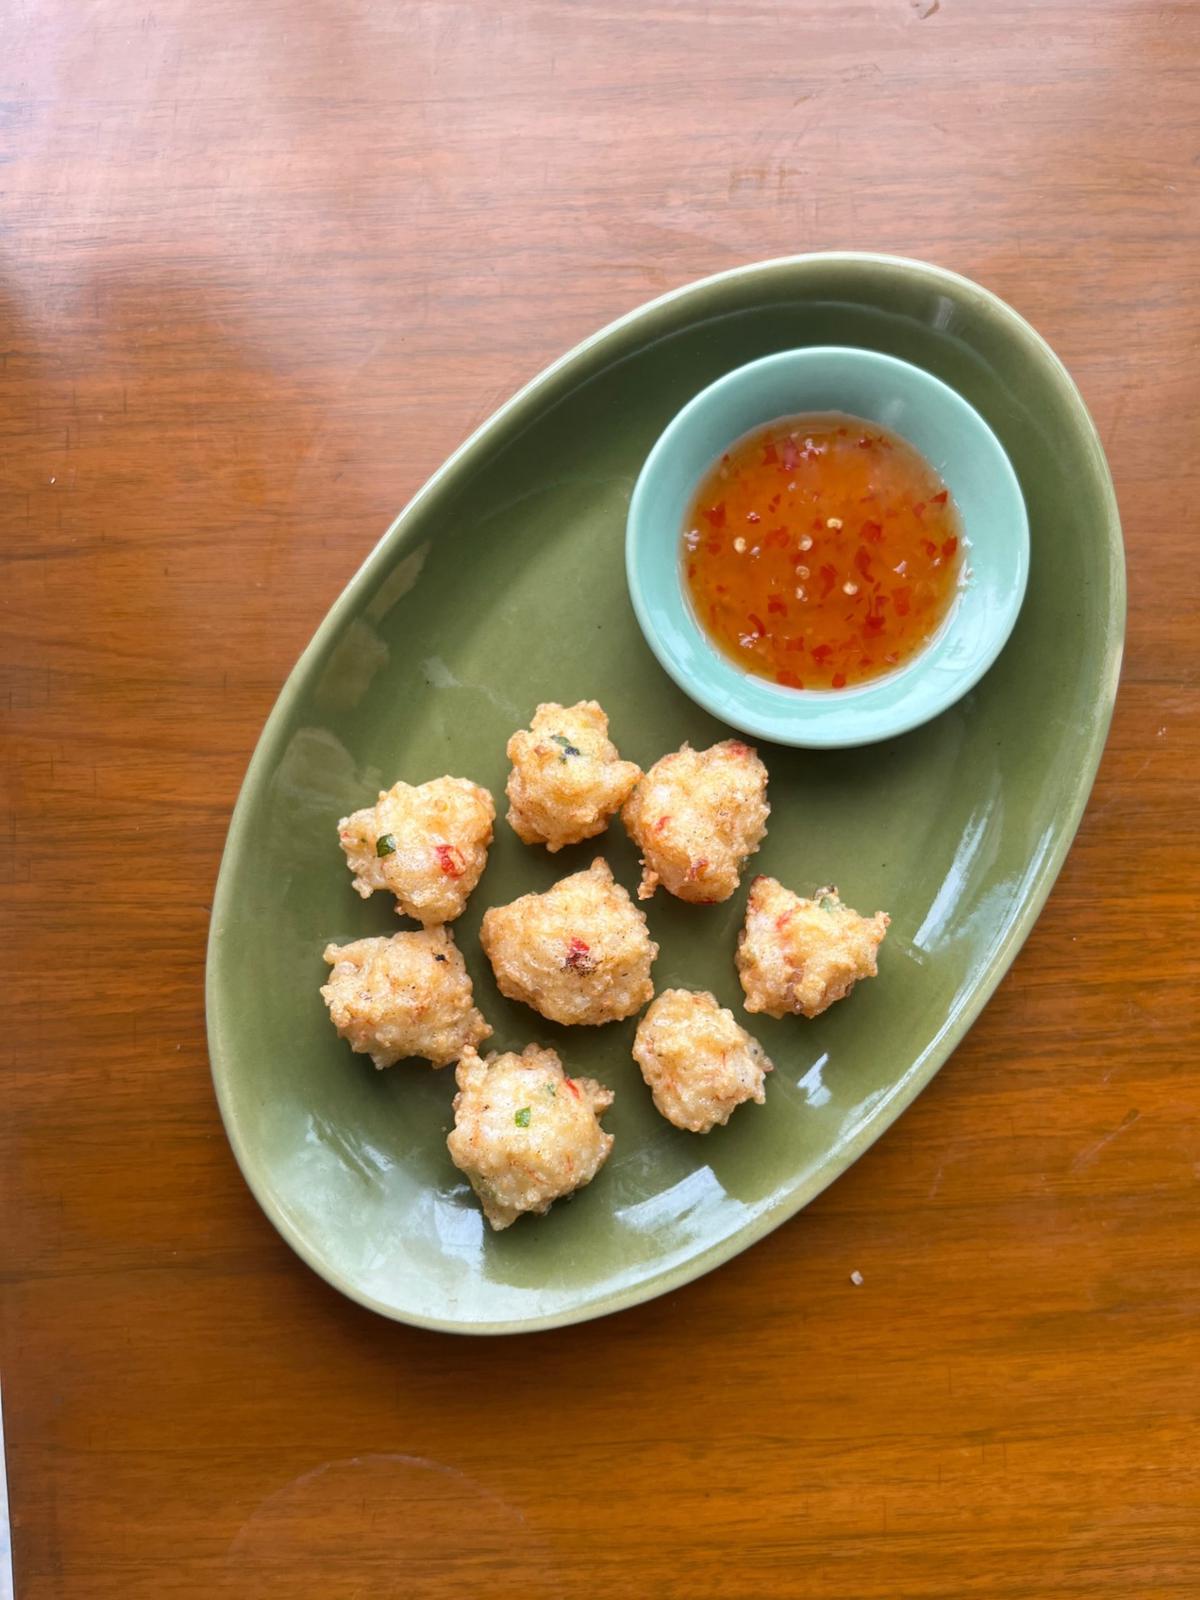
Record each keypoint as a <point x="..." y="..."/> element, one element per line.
<point x="579" y="957"/>
<point x="801" y="566"/>
<point x="450" y="859"/>
<point x="573" y="1086"/>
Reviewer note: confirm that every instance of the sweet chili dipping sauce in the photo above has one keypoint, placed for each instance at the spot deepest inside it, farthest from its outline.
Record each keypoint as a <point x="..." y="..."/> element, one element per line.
<point x="821" y="551"/>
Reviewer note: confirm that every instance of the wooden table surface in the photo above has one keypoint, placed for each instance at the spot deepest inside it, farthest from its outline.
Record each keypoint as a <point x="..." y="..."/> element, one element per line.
<point x="261" y="268"/>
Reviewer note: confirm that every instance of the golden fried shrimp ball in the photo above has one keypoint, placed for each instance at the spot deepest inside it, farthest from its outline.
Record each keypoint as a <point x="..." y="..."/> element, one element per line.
<point x="796" y="955"/>
<point x="695" y="817"/>
<point x="426" y="844"/>
<point x="567" y="776"/>
<point x="524" y="1133"/>
<point x="578" y="953"/>
<point x="699" y="1062"/>
<point x="409" y="995"/>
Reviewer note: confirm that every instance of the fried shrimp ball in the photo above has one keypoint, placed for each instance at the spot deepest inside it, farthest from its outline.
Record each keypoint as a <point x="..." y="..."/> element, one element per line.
<point x="699" y="1062"/>
<point x="426" y="844"/>
<point x="578" y="953"/>
<point x="797" y="955"/>
<point x="409" y="995"/>
<point x="524" y="1133"/>
<point x="567" y="777"/>
<point x="695" y="817"/>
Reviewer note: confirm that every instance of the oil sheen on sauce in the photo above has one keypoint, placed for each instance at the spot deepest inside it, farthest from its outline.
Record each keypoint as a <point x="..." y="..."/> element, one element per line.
<point x="821" y="551"/>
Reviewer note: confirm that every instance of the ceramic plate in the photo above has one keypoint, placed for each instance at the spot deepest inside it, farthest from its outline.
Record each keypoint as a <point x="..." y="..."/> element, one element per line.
<point x="503" y="584"/>
<point x="951" y="436"/>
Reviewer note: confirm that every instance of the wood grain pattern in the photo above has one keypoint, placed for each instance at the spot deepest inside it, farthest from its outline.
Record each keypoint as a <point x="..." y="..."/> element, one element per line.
<point x="261" y="268"/>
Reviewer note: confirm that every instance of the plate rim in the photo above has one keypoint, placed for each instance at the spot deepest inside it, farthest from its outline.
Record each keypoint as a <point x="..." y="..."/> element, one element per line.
<point x="955" y="1026"/>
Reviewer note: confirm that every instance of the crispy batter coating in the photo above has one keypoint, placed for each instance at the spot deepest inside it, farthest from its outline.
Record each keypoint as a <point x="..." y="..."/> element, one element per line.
<point x="797" y="955"/>
<point x="696" y="816"/>
<point x="524" y="1133"/>
<point x="567" y="776"/>
<point x="409" y="995"/>
<point x="699" y="1062"/>
<point x="426" y="844"/>
<point x="580" y="953"/>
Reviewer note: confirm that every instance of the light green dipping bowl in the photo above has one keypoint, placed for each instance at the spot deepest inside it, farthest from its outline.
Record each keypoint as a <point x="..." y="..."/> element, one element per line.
<point x="952" y="437"/>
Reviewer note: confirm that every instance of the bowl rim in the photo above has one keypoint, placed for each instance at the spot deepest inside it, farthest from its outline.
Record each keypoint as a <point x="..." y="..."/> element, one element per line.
<point x="563" y="372"/>
<point x="884" y="707"/>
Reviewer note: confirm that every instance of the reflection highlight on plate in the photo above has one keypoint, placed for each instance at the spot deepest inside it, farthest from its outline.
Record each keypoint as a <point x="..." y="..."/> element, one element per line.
<point x="688" y="1205"/>
<point x="815" y="1091"/>
<point x="946" y="902"/>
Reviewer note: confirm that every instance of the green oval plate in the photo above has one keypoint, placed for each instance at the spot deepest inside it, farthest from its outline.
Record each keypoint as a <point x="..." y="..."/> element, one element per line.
<point x="503" y="584"/>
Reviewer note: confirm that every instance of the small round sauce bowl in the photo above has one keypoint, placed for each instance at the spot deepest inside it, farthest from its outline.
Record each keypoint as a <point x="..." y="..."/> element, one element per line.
<point x="955" y="441"/>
